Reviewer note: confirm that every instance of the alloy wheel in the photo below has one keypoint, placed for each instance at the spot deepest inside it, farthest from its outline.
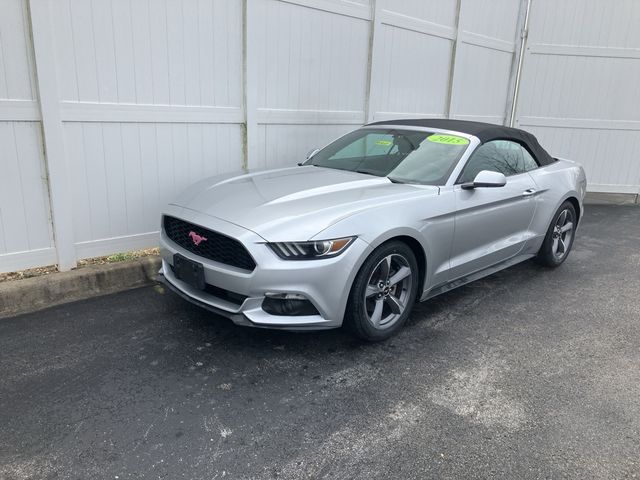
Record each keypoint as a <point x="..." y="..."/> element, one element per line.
<point x="562" y="234"/>
<point x="388" y="291"/>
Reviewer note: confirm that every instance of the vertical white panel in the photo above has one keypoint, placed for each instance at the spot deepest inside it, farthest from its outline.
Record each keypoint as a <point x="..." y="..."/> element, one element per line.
<point x="16" y="58"/>
<point x="195" y="148"/>
<point x="579" y="87"/>
<point x="435" y="11"/>
<point x="160" y="75"/>
<point x="415" y="82"/>
<point x="310" y="59"/>
<point x="78" y="177"/>
<point x="66" y="52"/>
<point x="286" y="145"/>
<point x="94" y="160"/>
<point x="25" y="228"/>
<point x="413" y="52"/>
<point x="166" y="52"/>
<point x="133" y="178"/>
<point x="148" y="146"/>
<point x="491" y="18"/>
<point x="485" y="59"/>
<point x="142" y="60"/>
<point x="125" y="67"/>
<point x="206" y="49"/>
<point x="158" y="54"/>
<point x="124" y="173"/>
<point x="191" y="53"/>
<point x="26" y="238"/>
<point x="85" y="67"/>
<point x="23" y="192"/>
<point x="115" y="173"/>
<point x="310" y="76"/>
<point x="104" y="47"/>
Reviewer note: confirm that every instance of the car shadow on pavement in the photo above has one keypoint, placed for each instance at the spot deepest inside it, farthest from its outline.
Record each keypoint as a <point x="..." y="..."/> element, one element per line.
<point x="427" y="318"/>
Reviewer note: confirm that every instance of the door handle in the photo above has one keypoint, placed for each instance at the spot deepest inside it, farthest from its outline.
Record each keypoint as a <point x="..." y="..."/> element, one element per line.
<point x="529" y="192"/>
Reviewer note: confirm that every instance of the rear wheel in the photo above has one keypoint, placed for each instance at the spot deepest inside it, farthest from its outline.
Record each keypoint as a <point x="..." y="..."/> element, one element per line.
<point x="383" y="292"/>
<point x="559" y="239"/>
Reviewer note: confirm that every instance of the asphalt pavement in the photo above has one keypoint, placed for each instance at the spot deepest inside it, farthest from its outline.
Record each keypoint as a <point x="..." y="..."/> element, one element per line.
<point x="529" y="373"/>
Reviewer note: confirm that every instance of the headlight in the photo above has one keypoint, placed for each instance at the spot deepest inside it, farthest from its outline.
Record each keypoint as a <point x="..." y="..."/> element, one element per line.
<point x="311" y="250"/>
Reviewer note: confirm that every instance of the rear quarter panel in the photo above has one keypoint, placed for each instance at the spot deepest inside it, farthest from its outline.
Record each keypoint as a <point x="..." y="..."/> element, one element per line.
<point x="557" y="182"/>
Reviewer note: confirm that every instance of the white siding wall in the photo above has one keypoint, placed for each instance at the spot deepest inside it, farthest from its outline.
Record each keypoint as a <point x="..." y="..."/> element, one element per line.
<point x="485" y="60"/>
<point x="134" y="100"/>
<point x="412" y="58"/>
<point x="151" y="100"/>
<point x="309" y="65"/>
<point x="26" y="238"/>
<point x="431" y="60"/>
<point x="581" y="87"/>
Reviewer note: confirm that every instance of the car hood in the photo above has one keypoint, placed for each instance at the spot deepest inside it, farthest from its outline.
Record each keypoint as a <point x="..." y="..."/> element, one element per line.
<point x="293" y="204"/>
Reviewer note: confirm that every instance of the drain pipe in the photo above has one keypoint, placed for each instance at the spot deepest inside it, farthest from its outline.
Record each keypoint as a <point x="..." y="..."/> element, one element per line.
<point x="523" y="45"/>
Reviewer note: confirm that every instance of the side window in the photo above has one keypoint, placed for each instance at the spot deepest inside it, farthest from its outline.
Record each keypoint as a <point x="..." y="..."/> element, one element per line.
<point x="502" y="156"/>
<point x="529" y="162"/>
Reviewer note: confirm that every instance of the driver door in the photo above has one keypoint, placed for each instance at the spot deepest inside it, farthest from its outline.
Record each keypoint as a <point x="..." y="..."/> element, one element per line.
<point x="492" y="223"/>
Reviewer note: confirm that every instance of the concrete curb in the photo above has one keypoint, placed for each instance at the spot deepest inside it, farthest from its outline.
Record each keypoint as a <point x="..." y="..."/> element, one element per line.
<point x="596" y="198"/>
<point x="32" y="294"/>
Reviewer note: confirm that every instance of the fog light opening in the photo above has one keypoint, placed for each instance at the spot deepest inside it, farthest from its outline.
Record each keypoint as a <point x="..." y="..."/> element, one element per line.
<point x="288" y="305"/>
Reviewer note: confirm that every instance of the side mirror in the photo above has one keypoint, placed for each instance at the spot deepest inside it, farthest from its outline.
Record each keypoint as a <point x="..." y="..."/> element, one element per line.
<point x="486" y="178"/>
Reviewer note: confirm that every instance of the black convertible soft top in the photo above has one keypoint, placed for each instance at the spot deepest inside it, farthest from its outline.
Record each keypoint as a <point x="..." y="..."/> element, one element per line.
<point x="484" y="131"/>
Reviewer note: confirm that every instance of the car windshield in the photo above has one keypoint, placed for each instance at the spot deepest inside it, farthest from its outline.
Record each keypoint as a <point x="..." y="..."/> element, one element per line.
<point x="404" y="156"/>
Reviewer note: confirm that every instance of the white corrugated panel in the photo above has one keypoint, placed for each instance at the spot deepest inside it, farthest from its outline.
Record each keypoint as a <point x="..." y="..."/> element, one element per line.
<point x="580" y="90"/>
<point x="310" y="76"/>
<point x="25" y="229"/>
<point x="151" y="102"/>
<point x="484" y="59"/>
<point x="156" y="52"/>
<point x="412" y="57"/>
<point x="124" y="172"/>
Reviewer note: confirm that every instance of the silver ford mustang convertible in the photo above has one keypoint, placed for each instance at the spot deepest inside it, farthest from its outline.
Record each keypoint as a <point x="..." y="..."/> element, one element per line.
<point x="388" y="214"/>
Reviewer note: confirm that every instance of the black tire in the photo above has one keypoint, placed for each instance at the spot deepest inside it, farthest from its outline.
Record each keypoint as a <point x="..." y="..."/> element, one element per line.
<point x="548" y="254"/>
<point x="361" y="309"/>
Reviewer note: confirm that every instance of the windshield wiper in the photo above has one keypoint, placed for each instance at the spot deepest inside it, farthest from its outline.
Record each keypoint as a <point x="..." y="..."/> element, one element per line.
<point x="395" y="180"/>
<point x="366" y="172"/>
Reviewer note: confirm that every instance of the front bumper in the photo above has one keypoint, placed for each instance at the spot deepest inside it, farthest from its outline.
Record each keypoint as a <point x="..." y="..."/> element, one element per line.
<point x="325" y="283"/>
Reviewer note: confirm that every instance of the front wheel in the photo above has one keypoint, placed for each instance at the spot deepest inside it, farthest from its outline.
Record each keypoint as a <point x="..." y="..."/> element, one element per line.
<point x="383" y="292"/>
<point x="560" y="235"/>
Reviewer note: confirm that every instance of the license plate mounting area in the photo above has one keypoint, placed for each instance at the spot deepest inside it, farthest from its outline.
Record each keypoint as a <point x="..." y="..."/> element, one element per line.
<point x="190" y="272"/>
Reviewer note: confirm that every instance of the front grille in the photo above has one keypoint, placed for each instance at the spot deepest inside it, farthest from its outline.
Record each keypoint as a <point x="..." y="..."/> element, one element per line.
<point x="217" y="247"/>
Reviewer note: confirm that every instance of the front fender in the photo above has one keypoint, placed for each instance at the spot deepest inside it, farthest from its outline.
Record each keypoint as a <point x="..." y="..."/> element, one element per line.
<point x="429" y="221"/>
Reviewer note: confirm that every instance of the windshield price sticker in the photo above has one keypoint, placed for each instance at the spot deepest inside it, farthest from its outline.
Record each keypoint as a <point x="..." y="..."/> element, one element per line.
<point x="448" y="139"/>
<point x="384" y="143"/>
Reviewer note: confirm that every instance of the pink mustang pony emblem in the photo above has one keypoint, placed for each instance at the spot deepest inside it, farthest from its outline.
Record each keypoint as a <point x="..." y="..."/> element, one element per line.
<point x="197" y="239"/>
